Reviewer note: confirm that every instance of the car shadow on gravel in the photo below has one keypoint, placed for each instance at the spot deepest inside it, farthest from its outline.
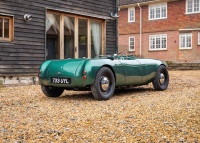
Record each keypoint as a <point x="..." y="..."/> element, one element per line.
<point x="132" y="90"/>
<point x="78" y="96"/>
<point x="87" y="95"/>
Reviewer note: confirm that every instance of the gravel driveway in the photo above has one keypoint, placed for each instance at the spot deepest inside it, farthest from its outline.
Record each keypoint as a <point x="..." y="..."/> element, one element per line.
<point x="131" y="115"/>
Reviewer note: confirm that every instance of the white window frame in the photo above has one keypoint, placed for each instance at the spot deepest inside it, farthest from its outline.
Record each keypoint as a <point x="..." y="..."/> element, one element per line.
<point x="193" y="7"/>
<point x="129" y="47"/>
<point x="185" y="36"/>
<point x="153" y="38"/>
<point x="131" y="18"/>
<point x="154" y="7"/>
<point x="198" y="38"/>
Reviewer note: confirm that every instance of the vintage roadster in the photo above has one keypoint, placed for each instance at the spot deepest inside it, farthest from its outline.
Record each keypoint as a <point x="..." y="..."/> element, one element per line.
<point x="101" y="75"/>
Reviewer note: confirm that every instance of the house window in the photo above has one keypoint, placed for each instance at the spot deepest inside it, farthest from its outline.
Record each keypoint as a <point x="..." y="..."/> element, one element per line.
<point x="157" y="11"/>
<point x="192" y="6"/>
<point x="131" y="43"/>
<point x="186" y="41"/>
<point x="6" y="28"/>
<point x="199" y="38"/>
<point x="158" y="42"/>
<point x="131" y="14"/>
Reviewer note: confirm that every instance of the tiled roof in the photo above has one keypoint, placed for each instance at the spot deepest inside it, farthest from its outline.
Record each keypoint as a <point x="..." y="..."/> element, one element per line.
<point x="126" y="2"/>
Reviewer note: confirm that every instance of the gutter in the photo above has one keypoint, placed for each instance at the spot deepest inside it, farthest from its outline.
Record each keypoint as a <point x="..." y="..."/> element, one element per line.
<point x="140" y="30"/>
<point x="135" y="4"/>
<point x="144" y="3"/>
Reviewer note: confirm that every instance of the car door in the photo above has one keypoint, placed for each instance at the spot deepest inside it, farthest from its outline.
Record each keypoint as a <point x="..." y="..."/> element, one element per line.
<point x="133" y="71"/>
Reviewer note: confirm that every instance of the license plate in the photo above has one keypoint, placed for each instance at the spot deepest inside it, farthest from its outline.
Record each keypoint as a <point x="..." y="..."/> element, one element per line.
<point x="57" y="80"/>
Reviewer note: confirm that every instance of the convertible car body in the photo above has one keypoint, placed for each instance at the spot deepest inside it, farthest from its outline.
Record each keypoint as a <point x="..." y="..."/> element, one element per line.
<point x="101" y="75"/>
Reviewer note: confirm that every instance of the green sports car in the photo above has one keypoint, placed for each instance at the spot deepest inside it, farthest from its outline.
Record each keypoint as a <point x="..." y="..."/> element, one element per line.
<point x="101" y="75"/>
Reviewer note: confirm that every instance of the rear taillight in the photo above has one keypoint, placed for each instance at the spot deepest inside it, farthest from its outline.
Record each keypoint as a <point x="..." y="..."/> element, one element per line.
<point x="39" y="71"/>
<point x="84" y="75"/>
<point x="84" y="72"/>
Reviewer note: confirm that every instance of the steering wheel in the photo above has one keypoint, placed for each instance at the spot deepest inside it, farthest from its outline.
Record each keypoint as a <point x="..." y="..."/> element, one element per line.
<point x="121" y="55"/>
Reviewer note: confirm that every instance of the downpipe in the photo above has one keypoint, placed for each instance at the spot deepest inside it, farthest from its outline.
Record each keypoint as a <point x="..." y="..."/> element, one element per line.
<point x="140" y="30"/>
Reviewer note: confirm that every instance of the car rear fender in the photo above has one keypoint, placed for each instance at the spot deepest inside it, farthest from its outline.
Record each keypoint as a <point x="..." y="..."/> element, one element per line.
<point x="44" y="68"/>
<point x="93" y="66"/>
<point x="111" y="68"/>
<point x="67" y="68"/>
<point x="90" y="68"/>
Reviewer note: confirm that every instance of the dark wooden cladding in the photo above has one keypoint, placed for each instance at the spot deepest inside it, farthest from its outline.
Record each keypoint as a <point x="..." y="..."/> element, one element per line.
<point x="111" y="37"/>
<point x="24" y="55"/>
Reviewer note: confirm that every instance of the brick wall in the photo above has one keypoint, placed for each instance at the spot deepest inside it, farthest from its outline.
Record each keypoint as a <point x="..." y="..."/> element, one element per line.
<point x="176" y="19"/>
<point x="124" y="47"/>
<point x="173" y="53"/>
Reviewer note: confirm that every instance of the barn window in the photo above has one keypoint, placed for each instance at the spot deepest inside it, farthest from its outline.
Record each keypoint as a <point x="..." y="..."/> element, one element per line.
<point x="74" y="36"/>
<point x="6" y="28"/>
<point x="186" y="41"/>
<point x="96" y="38"/>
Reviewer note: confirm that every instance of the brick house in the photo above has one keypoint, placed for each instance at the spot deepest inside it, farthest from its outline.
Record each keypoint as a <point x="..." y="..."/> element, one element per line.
<point x="168" y="30"/>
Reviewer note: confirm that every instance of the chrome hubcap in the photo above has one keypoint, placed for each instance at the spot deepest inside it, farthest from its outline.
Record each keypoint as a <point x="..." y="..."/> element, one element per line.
<point x="162" y="78"/>
<point x="104" y="82"/>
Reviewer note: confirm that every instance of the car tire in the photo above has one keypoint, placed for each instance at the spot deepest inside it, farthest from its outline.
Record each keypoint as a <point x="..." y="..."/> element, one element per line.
<point x="104" y="85"/>
<point x="52" y="91"/>
<point x="161" y="79"/>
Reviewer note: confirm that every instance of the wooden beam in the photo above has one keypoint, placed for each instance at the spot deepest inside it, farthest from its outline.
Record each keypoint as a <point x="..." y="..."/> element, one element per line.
<point x="3" y="28"/>
<point x="103" y="34"/>
<point x="89" y="39"/>
<point x="11" y="29"/>
<point x="76" y="42"/>
<point x="61" y="39"/>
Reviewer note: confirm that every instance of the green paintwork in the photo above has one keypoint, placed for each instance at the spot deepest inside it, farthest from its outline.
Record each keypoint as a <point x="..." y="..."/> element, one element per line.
<point x="127" y="70"/>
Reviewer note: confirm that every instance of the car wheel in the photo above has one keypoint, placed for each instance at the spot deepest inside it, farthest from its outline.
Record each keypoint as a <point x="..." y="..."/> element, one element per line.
<point x="52" y="91"/>
<point x="104" y="85"/>
<point x="161" y="79"/>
